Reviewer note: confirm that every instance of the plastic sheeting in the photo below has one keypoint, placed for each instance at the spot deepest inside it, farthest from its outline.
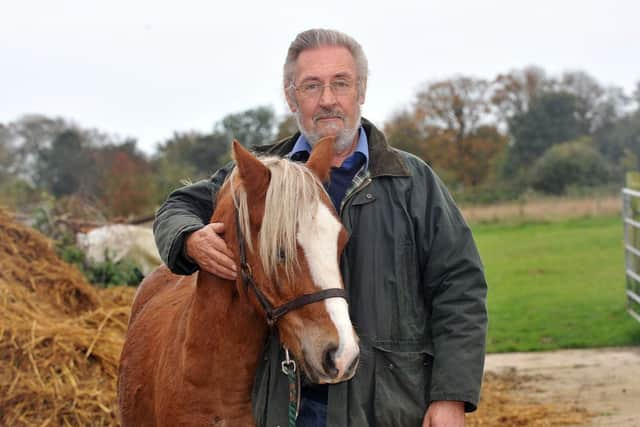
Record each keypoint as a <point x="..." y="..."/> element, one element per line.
<point x="120" y="241"/>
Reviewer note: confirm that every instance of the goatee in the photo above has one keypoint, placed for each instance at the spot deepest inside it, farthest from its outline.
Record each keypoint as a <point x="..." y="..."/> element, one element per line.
<point x="344" y="137"/>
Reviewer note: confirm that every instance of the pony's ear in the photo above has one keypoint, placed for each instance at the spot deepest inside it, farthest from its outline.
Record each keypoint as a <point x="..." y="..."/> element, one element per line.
<point x="253" y="173"/>
<point x="321" y="155"/>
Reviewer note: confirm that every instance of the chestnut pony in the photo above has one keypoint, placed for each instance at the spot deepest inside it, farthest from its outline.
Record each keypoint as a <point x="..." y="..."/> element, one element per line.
<point x="194" y="342"/>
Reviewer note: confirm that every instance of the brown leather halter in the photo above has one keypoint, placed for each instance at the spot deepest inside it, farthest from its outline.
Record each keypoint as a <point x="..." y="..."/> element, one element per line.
<point x="273" y="314"/>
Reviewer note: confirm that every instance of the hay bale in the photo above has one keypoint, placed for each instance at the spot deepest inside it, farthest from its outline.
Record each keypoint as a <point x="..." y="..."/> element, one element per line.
<point x="60" y="338"/>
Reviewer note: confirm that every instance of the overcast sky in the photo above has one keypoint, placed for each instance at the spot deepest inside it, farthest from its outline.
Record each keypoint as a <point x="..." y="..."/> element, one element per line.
<point x="143" y="68"/>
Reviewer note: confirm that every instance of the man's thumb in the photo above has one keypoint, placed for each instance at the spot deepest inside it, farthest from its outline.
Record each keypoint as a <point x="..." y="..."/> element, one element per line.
<point x="218" y="227"/>
<point x="426" y="422"/>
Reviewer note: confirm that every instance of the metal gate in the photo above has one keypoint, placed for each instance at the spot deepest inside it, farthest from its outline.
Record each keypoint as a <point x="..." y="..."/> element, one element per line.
<point x="631" y="218"/>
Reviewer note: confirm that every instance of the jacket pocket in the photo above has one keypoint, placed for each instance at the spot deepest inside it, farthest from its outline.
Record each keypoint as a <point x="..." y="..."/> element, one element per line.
<point x="402" y="381"/>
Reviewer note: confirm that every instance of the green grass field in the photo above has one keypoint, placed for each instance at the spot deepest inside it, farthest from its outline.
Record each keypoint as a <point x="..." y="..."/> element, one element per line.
<point x="556" y="285"/>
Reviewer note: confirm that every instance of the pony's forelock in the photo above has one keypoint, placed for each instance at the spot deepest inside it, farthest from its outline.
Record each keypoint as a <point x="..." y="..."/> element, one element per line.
<point x="291" y="201"/>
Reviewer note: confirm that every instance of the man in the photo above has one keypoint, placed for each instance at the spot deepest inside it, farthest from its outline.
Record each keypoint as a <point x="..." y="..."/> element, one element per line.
<point x="411" y="269"/>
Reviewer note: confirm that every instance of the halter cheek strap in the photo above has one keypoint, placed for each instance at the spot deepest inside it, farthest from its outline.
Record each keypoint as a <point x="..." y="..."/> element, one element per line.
<point x="275" y="313"/>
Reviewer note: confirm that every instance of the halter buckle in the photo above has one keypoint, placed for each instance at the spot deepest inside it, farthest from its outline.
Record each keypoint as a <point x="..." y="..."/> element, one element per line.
<point x="288" y="365"/>
<point x="246" y="268"/>
<point x="270" y="320"/>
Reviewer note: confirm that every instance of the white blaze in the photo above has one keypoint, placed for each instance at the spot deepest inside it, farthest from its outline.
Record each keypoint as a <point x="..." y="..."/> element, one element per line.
<point x="319" y="240"/>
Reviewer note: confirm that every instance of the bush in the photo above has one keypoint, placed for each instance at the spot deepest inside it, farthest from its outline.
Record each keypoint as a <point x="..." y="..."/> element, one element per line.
<point x="570" y="164"/>
<point x="493" y="191"/>
<point x="107" y="273"/>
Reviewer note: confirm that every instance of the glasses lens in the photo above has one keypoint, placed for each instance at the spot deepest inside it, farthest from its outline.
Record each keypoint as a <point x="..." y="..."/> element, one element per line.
<point x="341" y="87"/>
<point x="311" y="89"/>
<point x="314" y="89"/>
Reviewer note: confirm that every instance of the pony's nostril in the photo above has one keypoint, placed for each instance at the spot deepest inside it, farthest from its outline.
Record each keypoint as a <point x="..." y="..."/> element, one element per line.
<point x="353" y="364"/>
<point x="329" y="362"/>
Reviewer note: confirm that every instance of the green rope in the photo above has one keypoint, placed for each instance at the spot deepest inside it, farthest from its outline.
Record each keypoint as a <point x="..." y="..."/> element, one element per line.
<point x="293" y="397"/>
<point x="289" y="369"/>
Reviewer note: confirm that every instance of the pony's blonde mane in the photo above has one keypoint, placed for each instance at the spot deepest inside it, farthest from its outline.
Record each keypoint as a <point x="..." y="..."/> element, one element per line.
<point x="291" y="201"/>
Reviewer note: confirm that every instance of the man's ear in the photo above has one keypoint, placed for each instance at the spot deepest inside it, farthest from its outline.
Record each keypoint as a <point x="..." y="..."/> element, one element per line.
<point x="289" y="94"/>
<point x="362" y="91"/>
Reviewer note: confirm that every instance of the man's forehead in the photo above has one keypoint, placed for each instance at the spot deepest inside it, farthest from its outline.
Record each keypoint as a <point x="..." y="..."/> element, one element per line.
<point x="325" y="62"/>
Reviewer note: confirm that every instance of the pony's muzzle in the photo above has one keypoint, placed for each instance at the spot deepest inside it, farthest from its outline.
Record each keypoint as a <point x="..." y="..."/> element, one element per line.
<point x="339" y="367"/>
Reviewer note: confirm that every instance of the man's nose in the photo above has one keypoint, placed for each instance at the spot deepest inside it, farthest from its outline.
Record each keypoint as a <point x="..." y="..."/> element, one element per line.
<point x="326" y="96"/>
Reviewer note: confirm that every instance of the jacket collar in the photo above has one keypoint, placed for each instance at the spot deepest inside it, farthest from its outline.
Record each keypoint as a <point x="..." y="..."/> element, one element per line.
<point x="383" y="159"/>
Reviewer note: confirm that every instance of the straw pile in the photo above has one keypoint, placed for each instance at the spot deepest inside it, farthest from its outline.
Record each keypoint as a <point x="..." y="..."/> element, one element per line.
<point x="60" y="338"/>
<point x="505" y="402"/>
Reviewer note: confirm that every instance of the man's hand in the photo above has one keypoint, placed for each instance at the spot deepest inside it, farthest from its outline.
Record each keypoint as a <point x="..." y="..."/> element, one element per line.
<point x="210" y="251"/>
<point x="444" y="413"/>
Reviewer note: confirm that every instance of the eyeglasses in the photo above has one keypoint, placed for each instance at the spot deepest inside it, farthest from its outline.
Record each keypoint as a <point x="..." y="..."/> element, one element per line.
<point x="313" y="89"/>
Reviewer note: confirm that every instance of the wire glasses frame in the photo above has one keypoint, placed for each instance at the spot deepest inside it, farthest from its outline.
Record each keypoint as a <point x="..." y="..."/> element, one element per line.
<point x="313" y="89"/>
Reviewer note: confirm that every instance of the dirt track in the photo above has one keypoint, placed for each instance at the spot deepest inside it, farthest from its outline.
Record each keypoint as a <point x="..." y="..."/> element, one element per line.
<point x="605" y="382"/>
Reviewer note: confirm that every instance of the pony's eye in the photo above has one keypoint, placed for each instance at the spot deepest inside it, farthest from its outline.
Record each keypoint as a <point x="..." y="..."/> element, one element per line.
<point x="281" y="255"/>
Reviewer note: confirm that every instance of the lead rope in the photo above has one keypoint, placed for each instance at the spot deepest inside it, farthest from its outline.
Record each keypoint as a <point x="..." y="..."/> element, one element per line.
<point x="289" y="369"/>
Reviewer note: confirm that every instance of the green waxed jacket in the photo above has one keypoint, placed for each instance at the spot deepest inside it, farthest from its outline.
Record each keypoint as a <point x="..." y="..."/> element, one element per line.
<point x="416" y="287"/>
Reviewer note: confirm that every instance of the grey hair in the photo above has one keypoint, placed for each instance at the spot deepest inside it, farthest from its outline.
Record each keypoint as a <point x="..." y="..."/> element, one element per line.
<point x="318" y="37"/>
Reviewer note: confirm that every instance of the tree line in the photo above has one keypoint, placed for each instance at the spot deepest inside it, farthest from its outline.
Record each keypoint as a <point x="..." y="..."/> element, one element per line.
<point x="522" y="130"/>
<point x="488" y="139"/>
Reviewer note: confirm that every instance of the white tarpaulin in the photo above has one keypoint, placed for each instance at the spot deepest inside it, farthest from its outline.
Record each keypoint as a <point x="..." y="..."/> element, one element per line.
<point x="119" y="241"/>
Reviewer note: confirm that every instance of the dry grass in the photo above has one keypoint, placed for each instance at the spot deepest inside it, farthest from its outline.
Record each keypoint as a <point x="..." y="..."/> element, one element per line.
<point x="505" y="402"/>
<point x="544" y="209"/>
<point x="60" y="337"/>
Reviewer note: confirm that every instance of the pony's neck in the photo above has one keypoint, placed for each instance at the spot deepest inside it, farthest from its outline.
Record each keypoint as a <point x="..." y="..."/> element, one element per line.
<point x="224" y="341"/>
<point x="225" y="334"/>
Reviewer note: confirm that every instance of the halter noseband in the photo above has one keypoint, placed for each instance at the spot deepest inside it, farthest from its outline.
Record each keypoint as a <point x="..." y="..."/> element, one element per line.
<point x="273" y="314"/>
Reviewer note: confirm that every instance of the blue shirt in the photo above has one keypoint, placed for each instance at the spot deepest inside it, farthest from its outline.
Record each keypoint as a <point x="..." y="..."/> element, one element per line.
<point x="342" y="176"/>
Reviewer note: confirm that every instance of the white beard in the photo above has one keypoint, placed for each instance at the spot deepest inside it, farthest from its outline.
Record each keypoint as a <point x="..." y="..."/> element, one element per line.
<point x="344" y="138"/>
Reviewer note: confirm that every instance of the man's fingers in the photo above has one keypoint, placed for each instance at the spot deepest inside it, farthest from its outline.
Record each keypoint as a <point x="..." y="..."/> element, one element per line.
<point x="210" y="251"/>
<point x="218" y="262"/>
<point x="221" y="246"/>
<point x="223" y="258"/>
<point x="211" y="235"/>
<point x="220" y="270"/>
<point x="212" y="240"/>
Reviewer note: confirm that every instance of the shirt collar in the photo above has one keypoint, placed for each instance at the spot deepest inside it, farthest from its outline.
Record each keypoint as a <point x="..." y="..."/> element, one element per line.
<point x="302" y="145"/>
